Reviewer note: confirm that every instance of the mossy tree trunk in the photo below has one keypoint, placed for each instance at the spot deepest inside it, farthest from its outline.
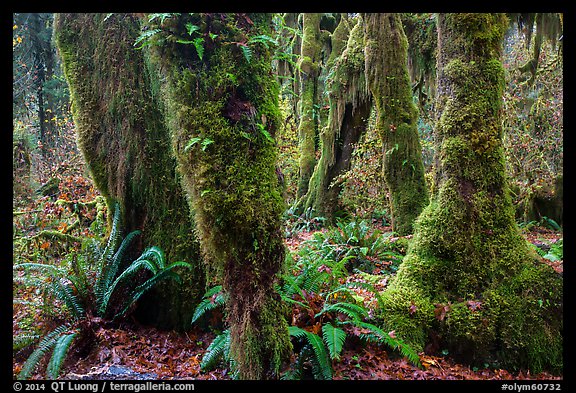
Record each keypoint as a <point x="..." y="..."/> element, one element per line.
<point x="291" y="44"/>
<point x="548" y="26"/>
<point x="223" y="113"/>
<point x="469" y="282"/>
<point x="350" y="105"/>
<point x="309" y="73"/>
<point x="396" y="120"/>
<point x="123" y="138"/>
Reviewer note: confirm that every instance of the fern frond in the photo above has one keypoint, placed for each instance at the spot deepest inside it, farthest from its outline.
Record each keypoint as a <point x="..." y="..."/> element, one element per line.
<point x="366" y="286"/>
<point x="212" y="299"/>
<point x="129" y="272"/>
<point x="113" y="263"/>
<point x="113" y="237"/>
<point x="334" y="338"/>
<point x="379" y="336"/>
<point x="155" y="253"/>
<point x="59" y="354"/>
<point x="216" y="351"/>
<point x="109" y="267"/>
<point x="45" y="345"/>
<point x="353" y="311"/>
<point x="321" y="365"/>
<point x="65" y="293"/>
<point x="146" y="286"/>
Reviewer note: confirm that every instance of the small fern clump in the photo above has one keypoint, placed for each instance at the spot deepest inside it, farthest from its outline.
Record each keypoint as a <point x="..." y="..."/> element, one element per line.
<point x="356" y="241"/>
<point x="326" y="311"/>
<point x="87" y="294"/>
<point x="307" y="221"/>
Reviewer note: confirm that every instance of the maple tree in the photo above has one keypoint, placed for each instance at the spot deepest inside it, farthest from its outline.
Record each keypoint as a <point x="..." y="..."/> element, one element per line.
<point x="193" y="123"/>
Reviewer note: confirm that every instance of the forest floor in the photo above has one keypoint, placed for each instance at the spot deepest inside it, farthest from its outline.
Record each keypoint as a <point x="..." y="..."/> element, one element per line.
<point x="128" y="350"/>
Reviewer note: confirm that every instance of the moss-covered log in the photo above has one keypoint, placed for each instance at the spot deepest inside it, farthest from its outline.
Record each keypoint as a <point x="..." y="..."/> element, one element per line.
<point x="396" y="120"/>
<point x="309" y="73"/>
<point x="123" y="138"/>
<point x="222" y="107"/>
<point x="469" y="282"/>
<point x="350" y="104"/>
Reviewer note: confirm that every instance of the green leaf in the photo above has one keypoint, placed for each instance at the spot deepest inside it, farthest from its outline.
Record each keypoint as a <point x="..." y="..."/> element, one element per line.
<point x="216" y="351"/>
<point x="322" y="366"/>
<point x="247" y="52"/>
<point x="212" y="299"/>
<point x="59" y="355"/>
<point x="161" y="16"/>
<point x="334" y="338"/>
<point x="45" y="345"/>
<point x="191" y="143"/>
<point x="199" y="45"/>
<point x="353" y="311"/>
<point x="206" y="142"/>
<point x="191" y="29"/>
<point x="263" y="39"/>
<point x="265" y="133"/>
<point x="144" y="38"/>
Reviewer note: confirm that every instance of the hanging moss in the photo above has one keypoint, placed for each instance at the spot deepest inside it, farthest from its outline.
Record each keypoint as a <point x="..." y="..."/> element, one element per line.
<point x="396" y="122"/>
<point x="223" y="113"/>
<point x="310" y="70"/>
<point x="422" y="36"/>
<point x="471" y="274"/>
<point x="122" y="136"/>
<point x="350" y="106"/>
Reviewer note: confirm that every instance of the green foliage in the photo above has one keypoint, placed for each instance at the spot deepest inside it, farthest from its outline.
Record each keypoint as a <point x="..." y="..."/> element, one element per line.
<point x="326" y="311"/>
<point x="357" y="242"/>
<point x="212" y="299"/>
<point x="217" y="352"/>
<point x="307" y="221"/>
<point x="56" y="341"/>
<point x="87" y="294"/>
<point x="553" y="251"/>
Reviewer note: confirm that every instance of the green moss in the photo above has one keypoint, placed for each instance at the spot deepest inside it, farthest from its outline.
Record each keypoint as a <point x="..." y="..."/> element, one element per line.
<point x="396" y="123"/>
<point x="467" y="253"/>
<point x="264" y="344"/>
<point x="122" y="135"/>
<point x="223" y="113"/>
<point x="350" y="106"/>
<point x="310" y="70"/>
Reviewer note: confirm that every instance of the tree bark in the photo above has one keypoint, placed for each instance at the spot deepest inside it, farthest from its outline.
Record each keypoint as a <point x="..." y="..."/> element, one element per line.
<point x="308" y="126"/>
<point x="469" y="282"/>
<point x="223" y="112"/>
<point x="122" y="135"/>
<point x="350" y="105"/>
<point x="396" y="121"/>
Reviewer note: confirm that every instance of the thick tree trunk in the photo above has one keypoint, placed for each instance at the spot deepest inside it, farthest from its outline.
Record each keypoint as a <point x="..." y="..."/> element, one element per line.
<point x="122" y="135"/>
<point x="350" y="105"/>
<point x="310" y="70"/>
<point x="469" y="282"/>
<point x="223" y="113"/>
<point x="396" y="121"/>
